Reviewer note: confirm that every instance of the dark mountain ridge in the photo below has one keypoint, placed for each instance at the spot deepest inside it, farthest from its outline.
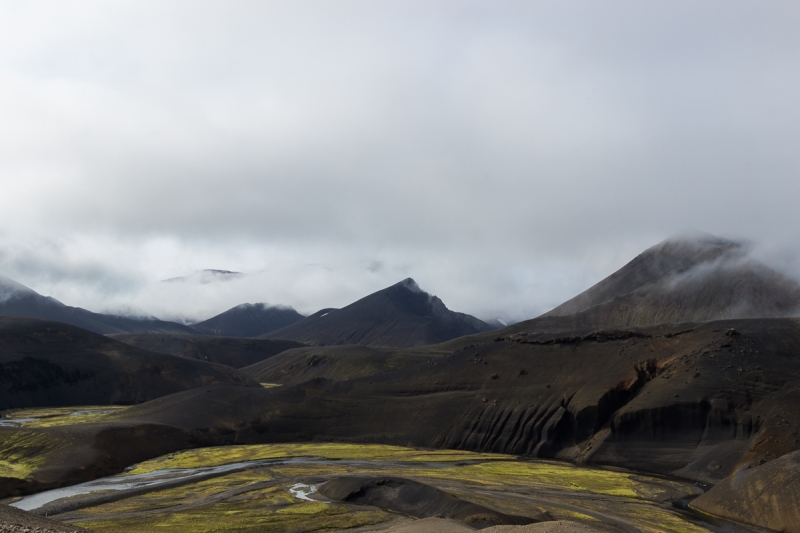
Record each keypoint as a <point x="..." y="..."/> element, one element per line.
<point x="248" y="320"/>
<point x="683" y="279"/>
<point x="20" y="301"/>
<point x="48" y="364"/>
<point x="399" y="316"/>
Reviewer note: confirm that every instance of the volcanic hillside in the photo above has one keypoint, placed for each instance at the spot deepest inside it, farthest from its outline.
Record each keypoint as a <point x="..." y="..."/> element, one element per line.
<point x="680" y="280"/>
<point x="49" y="364"/>
<point x="334" y="362"/>
<point x="248" y="320"/>
<point x="402" y="315"/>
<point x="228" y="351"/>
<point x="694" y="400"/>
<point x="18" y="300"/>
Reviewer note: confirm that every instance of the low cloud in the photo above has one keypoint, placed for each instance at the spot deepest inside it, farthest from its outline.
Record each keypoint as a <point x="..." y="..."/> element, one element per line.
<point x="505" y="155"/>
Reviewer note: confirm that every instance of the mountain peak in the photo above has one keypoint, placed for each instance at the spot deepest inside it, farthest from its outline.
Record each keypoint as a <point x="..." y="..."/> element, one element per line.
<point x="699" y="236"/>
<point x="694" y="242"/>
<point x="686" y="278"/>
<point x="249" y="320"/>
<point x="9" y="287"/>
<point x="401" y="315"/>
<point x="409" y="284"/>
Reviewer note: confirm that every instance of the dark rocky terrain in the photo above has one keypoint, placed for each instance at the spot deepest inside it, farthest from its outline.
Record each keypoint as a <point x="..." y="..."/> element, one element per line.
<point x="45" y="363"/>
<point x="416" y="499"/>
<point x="15" y="521"/>
<point x="399" y="316"/>
<point x="334" y="362"/>
<point x="230" y="351"/>
<point x="248" y="320"/>
<point x="697" y="401"/>
<point x="20" y="301"/>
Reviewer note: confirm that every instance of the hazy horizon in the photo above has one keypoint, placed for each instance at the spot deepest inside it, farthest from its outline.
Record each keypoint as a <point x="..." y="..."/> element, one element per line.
<point x="506" y="155"/>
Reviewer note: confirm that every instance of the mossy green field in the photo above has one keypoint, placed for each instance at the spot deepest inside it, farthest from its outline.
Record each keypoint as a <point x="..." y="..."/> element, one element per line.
<point x="260" y="499"/>
<point x="23" y="451"/>
<point x="257" y="497"/>
<point x="221" y="455"/>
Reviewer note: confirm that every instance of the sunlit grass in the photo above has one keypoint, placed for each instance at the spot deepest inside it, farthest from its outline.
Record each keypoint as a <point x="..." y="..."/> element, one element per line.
<point x="245" y="517"/>
<point x="23" y="451"/>
<point x="651" y="518"/>
<point x="221" y="455"/>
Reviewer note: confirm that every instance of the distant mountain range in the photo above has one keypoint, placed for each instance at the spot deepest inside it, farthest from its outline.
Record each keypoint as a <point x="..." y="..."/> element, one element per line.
<point x="18" y="300"/>
<point x="402" y="315"/>
<point x="683" y="279"/>
<point x="246" y="320"/>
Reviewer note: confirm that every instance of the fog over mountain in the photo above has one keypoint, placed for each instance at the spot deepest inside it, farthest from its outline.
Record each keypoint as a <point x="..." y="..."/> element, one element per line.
<point x="506" y="155"/>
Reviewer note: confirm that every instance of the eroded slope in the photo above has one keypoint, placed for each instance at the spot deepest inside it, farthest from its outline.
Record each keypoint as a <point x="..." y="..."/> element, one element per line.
<point x="333" y="362"/>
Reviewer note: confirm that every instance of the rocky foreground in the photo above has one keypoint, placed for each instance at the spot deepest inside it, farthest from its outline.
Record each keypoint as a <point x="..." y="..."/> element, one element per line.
<point x="15" y="521"/>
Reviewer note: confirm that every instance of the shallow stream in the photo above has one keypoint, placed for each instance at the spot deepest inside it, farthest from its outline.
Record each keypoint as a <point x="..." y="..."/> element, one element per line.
<point x="123" y="482"/>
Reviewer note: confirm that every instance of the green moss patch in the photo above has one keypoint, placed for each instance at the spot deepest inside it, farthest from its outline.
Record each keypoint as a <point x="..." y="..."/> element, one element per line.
<point x="256" y="513"/>
<point x="24" y="451"/>
<point x="221" y="455"/>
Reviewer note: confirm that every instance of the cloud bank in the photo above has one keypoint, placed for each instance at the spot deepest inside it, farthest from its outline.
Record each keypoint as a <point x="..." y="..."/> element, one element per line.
<point x="506" y="155"/>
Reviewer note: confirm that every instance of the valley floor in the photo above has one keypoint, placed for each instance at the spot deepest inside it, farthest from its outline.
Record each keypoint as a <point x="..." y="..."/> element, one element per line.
<point x="273" y="488"/>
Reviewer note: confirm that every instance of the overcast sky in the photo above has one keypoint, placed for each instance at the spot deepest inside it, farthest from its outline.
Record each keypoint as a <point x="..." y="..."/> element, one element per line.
<point x="506" y="155"/>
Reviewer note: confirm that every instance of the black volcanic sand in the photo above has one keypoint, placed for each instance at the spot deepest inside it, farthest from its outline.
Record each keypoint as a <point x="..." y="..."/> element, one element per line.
<point x="230" y="351"/>
<point x="697" y="401"/>
<point x="52" y="364"/>
<point x="15" y="521"/>
<point x="399" y="316"/>
<point x="335" y="363"/>
<point x="412" y="498"/>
